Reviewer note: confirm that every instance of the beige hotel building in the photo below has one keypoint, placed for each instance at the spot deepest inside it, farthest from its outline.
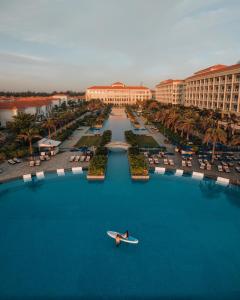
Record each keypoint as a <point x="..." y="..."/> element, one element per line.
<point x="217" y="87"/>
<point x="119" y="94"/>
<point x="170" y="91"/>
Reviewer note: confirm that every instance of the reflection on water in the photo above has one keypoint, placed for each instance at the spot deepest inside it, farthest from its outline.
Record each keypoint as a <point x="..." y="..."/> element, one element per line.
<point x="211" y="190"/>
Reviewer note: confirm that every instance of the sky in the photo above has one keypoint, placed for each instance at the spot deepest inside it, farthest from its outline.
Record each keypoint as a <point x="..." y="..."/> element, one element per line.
<point x="48" y="45"/>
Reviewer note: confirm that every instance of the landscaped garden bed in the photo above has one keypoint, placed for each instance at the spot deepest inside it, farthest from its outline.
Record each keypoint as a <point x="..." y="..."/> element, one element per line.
<point x="88" y="141"/>
<point x="98" y="164"/>
<point x="137" y="164"/>
<point x="140" y="140"/>
<point x="132" y="117"/>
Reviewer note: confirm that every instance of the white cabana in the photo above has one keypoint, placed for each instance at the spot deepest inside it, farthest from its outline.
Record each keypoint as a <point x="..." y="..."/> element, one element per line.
<point x="50" y="145"/>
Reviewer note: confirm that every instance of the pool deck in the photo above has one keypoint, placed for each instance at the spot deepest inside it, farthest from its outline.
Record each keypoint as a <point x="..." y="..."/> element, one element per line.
<point x="234" y="176"/>
<point x="59" y="161"/>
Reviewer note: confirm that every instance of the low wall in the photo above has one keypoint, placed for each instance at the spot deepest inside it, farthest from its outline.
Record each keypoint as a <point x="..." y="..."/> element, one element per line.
<point x="96" y="177"/>
<point x="140" y="177"/>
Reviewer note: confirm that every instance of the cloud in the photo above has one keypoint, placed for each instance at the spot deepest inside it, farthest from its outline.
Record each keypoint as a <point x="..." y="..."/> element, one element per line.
<point x="21" y="58"/>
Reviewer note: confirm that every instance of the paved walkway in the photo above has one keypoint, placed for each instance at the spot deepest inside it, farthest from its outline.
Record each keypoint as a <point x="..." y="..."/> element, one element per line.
<point x="59" y="161"/>
<point x="158" y="136"/>
<point x="74" y="138"/>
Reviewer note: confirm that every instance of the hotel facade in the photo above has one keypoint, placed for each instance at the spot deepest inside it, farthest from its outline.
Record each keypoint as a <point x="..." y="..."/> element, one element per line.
<point x="170" y="91"/>
<point x="119" y="94"/>
<point x="217" y="87"/>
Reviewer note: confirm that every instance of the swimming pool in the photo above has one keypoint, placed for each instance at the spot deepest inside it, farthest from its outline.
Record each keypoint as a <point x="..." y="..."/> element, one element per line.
<point x="54" y="243"/>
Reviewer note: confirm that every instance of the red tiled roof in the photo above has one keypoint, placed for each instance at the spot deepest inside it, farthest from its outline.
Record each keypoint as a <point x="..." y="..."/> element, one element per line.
<point x="25" y="102"/>
<point x="170" y="81"/>
<point x="213" y="70"/>
<point x="117" y="86"/>
<point x="109" y="87"/>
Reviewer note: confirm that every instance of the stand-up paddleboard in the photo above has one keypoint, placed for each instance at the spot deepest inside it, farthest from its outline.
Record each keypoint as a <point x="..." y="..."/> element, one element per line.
<point x="130" y="239"/>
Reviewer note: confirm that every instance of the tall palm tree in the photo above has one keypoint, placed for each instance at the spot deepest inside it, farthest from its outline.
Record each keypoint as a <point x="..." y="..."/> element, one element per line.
<point x="21" y="121"/>
<point x="187" y="126"/>
<point x="28" y="135"/>
<point x="215" y="135"/>
<point x="49" y="124"/>
<point x="235" y="140"/>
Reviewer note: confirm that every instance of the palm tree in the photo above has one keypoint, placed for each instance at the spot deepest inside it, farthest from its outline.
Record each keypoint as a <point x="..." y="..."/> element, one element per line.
<point x="49" y="124"/>
<point x="235" y="140"/>
<point x="215" y="135"/>
<point x="21" y="121"/>
<point x="28" y="135"/>
<point x="187" y="125"/>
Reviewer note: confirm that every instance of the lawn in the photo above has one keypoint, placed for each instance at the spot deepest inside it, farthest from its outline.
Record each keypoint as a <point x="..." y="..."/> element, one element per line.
<point x="88" y="141"/>
<point x="145" y="141"/>
<point x="141" y="141"/>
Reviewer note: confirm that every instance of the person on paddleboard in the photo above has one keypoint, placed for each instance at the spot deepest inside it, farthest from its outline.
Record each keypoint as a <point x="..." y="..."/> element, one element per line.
<point x="121" y="236"/>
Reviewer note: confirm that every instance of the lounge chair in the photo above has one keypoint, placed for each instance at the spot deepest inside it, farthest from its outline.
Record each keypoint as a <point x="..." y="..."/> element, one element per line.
<point x="82" y="158"/>
<point x="31" y="163"/>
<point x="226" y="169"/>
<point x="37" y="162"/>
<point x="72" y="158"/>
<point x="189" y="164"/>
<point x="77" y="157"/>
<point x="183" y="163"/>
<point x="17" y="160"/>
<point x="88" y="158"/>
<point x="11" y="162"/>
<point x="220" y="168"/>
<point x="202" y="166"/>
<point x="165" y="161"/>
<point x="171" y="162"/>
<point x="209" y="167"/>
<point x="47" y="157"/>
<point x="42" y="157"/>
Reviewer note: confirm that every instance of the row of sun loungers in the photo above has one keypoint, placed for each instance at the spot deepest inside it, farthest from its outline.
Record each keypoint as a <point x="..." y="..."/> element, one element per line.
<point x="14" y="161"/>
<point x="153" y="160"/>
<point x="44" y="157"/>
<point x="223" y="169"/>
<point x="186" y="163"/>
<point x="82" y="158"/>
<point x="167" y="161"/>
<point x="33" y="163"/>
<point x="204" y="164"/>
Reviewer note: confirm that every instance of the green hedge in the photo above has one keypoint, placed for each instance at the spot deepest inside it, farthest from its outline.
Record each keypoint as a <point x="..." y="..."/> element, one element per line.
<point x="138" y="165"/>
<point x="97" y="165"/>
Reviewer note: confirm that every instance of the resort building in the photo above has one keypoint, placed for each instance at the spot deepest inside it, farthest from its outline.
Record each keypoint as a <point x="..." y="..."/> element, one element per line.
<point x="41" y="107"/>
<point x="171" y="91"/>
<point x="217" y="87"/>
<point x="119" y="94"/>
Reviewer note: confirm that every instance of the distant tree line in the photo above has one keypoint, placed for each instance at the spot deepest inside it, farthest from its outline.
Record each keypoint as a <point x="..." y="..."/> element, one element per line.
<point x="42" y="94"/>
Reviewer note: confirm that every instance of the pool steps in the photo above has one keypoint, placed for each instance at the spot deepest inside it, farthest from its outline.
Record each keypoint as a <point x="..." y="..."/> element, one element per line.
<point x="222" y="181"/>
<point x="77" y="170"/>
<point x="197" y="175"/>
<point x="160" y="170"/>
<point x="27" y="177"/>
<point x="60" y="172"/>
<point x="179" y="172"/>
<point x="194" y="175"/>
<point x="40" y="175"/>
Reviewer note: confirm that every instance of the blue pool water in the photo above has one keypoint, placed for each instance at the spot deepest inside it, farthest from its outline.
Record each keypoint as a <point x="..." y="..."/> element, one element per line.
<point x="53" y="242"/>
